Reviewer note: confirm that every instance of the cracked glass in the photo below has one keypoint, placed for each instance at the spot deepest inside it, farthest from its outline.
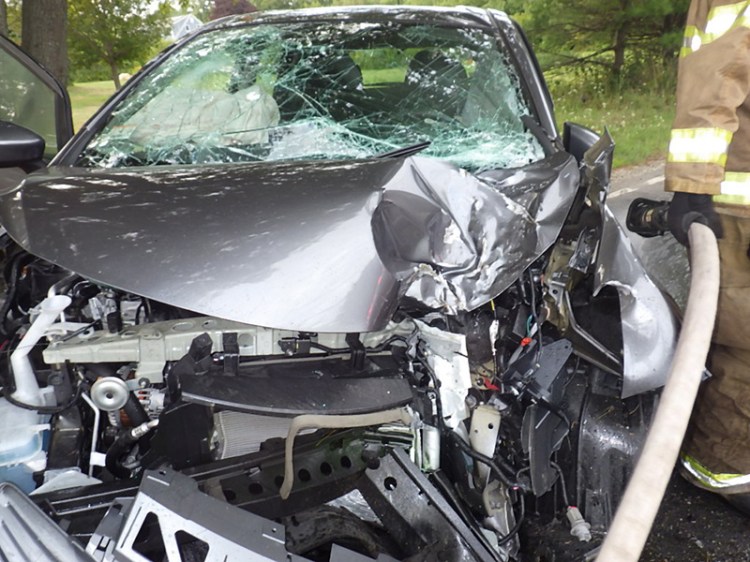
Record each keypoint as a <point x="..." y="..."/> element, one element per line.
<point x="323" y="90"/>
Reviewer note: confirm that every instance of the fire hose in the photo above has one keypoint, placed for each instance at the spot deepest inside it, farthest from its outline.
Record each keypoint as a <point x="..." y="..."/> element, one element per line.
<point x="635" y="516"/>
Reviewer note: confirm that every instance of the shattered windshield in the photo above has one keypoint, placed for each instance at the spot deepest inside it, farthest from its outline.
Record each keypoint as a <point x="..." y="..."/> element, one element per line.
<point x="322" y="90"/>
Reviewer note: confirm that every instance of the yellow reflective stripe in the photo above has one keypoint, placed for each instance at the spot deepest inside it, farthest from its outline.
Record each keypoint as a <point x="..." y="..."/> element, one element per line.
<point x="710" y="479"/>
<point x="735" y="183"/>
<point x="691" y="41"/>
<point x="704" y="145"/>
<point x="732" y="199"/>
<point x="735" y="189"/>
<point x="721" y="19"/>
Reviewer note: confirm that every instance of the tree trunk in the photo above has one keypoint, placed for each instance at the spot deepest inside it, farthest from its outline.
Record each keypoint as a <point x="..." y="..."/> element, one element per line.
<point x="3" y="18"/>
<point x="115" y="73"/>
<point x="620" y="39"/>
<point x="672" y="23"/>
<point x="43" y="34"/>
<point x="620" y="43"/>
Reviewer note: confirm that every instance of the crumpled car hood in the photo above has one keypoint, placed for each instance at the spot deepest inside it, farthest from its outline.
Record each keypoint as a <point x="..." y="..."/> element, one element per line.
<point x="313" y="246"/>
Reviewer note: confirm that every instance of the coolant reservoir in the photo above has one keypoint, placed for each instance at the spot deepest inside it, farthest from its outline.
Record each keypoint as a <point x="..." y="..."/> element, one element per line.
<point x="21" y="445"/>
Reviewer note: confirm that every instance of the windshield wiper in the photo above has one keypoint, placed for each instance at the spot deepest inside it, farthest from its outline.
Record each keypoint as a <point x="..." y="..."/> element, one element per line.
<point x="406" y="150"/>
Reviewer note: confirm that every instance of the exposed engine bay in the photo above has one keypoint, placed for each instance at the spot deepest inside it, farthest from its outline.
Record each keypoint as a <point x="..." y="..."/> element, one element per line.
<point x="430" y="439"/>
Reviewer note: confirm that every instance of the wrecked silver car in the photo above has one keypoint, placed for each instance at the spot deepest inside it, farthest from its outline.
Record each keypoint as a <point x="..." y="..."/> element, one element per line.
<point x="318" y="285"/>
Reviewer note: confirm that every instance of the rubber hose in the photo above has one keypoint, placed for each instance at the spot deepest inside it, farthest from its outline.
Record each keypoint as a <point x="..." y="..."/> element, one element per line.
<point x="635" y="516"/>
<point x="116" y="453"/>
<point x="123" y="444"/>
<point x="324" y="421"/>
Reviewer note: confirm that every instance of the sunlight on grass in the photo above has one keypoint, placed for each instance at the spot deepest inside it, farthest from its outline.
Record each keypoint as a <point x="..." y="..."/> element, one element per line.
<point x="87" y="97"/>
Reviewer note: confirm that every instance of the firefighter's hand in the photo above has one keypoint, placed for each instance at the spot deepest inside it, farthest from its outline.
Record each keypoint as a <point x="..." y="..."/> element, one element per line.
<point x="687" y="208"/>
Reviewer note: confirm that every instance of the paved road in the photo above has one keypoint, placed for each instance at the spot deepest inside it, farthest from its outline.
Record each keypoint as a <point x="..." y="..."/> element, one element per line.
<point x="692" y="525"/>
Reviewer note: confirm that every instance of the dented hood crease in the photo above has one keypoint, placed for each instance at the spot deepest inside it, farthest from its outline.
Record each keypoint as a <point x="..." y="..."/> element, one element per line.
<point x="314" y="246"/>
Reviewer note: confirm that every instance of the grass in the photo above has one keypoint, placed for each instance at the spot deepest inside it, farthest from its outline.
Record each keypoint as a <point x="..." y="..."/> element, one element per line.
<point x="87" y="97"/>
<point x="383" y="75"/>
<point x="638" y="121"/>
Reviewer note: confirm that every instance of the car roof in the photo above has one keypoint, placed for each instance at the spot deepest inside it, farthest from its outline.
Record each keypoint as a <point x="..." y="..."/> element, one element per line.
<point x="454" y="16"/>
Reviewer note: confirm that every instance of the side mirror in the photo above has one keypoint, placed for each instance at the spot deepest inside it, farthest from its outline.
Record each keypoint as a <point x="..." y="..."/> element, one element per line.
<point x="19" y="146"/>
<point x="577" y="139"/>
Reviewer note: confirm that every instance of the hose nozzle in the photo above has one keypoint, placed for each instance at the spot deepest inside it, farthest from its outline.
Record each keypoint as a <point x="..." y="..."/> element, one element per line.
<point x="647" y="218"/>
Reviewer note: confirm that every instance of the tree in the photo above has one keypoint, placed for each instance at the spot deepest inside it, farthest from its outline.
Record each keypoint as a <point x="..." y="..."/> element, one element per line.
<point x="3" y="18"/>
<point x="43" y="34"/>
<point x="231" y="7"/>
<point x="116" y="32"/>
<point x="614" y="35"/>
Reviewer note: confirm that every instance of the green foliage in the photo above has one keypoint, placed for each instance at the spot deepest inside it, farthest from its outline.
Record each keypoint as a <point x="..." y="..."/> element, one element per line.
<point x="14" y="19"/>
<point x="89" y="73"/>
<point x="625" y="40"/>
<point x="115" y="33"/>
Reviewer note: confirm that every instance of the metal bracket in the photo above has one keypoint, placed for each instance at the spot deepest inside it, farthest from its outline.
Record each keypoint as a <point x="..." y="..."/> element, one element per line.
<point x="417" y="515"/>
<point x="178" y="506"/>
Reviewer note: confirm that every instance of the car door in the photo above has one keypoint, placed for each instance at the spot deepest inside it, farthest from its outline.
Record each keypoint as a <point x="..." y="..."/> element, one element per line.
<point x="31" y="98"/>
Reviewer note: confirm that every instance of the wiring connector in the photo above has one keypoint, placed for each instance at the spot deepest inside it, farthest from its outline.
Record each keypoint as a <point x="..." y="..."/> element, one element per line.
<point x="579" y="527"/>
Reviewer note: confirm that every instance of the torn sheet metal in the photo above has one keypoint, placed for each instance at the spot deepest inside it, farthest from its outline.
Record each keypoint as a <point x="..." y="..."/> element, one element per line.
<point x="456" y="241"/>
<point x="649" y="326"/>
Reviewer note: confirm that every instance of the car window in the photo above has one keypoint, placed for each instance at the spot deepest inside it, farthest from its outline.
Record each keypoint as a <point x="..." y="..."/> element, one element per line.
<point x="25" y="100"/>
<point x="344" y="90"/>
